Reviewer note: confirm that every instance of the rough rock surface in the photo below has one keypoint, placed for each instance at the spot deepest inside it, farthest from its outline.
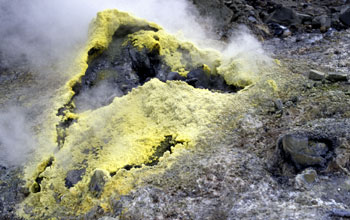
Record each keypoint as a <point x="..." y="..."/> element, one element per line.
<point x="272" y="18"/>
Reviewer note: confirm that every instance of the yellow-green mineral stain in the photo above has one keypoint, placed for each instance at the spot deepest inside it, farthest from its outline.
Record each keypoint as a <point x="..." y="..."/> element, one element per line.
<point x="127" y="131"/>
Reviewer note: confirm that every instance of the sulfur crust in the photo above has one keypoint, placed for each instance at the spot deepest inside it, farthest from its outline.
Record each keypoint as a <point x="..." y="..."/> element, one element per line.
<point x="127" y="131"/>
<point x="172" y="50"/>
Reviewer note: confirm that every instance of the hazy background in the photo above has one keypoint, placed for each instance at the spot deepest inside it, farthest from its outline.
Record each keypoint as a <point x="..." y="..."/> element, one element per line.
<point x="46" y="31"/>
<point x="16" y="138"/>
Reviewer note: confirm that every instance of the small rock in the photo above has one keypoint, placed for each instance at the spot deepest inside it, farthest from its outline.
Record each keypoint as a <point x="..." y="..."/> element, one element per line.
<point x="286" y="33"/>
<point x="98" y="181"/>
<point x="345" y="17"/>
<point x="252" y="19"/>
<point x="108" y="218"/>
<point x="346" y="185"/>
<point x="323" y="22"/>
<point x="316" y="75"/>
<point x="304" y="199"/>
<point x="305" y="18"/>
<point x="289" y="104"/>
<point x="336" y="77"/>
<point x="73" y="177"/>
<point x="278" y="104"/>
<point x="280" y="30"/>
<point x="174" y="76"/>
<point x="309" y="85"/>
<point x="341" y="213"/>
<point x="305" y="179"/>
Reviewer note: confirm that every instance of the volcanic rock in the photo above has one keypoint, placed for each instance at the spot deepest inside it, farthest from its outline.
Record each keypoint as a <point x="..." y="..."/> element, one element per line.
<point x="316" y="75"/>
<point x="305" y="179"/>
<point x="323" y="22"/>
<point x="345" y="17"/>
<point x="216" y="10"/>
<point x="303" y="152"/>
<point x="97" y="182"/>
<point x="336" y="76"/>
<point x="73" y="177"/>
<point x="285" y="16"/>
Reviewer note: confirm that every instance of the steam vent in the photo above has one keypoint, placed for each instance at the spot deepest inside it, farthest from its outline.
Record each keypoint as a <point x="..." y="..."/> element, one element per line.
<point x="149" y="125"/>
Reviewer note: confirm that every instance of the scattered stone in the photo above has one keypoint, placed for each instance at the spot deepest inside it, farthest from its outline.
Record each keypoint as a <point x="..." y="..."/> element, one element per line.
<point x="279" y="30"/>
<point x="304" y="199"/>
<point x="108" y="218"/>
<point x="316" y="75"/>
<point x="336" y="77"/>
<point x="306" y="179"/>
<point x="278" y="104"/>
<point x="305" y="18"/>
<point x="303" y="152"/>
<point x="346" y="185"/>
<point x="341" y="213"/>
<point x="309" y="85"/>
<point x="73" y="177"/>
<point x="323" y="22"/>
<point x="289" y="103"/>
<point x="284" y="16"/>
<point x="98" y="181"/>
<point x="345" y="17"/>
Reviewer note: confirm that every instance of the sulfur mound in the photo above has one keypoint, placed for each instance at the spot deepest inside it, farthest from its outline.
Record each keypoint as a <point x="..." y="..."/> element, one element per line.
<point x="141" y="98"/>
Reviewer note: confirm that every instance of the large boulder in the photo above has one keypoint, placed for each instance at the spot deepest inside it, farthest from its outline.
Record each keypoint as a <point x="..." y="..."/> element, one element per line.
<point x="345" y="17"/>
<point x="285" y="16"/>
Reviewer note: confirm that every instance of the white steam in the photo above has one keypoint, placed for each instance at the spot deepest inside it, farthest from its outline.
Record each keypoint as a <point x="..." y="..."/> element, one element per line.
<point x="244" y="47"/>
<point x="16" y="139"/>
<point x="46" y="32"/>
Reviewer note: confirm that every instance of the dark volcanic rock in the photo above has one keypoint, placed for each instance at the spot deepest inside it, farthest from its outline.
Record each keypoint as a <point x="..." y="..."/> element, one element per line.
<point x="297" y="16"/>
<point x="335" y="76"/>
<point x="216" y="10"/>
<point x="73" y="177"/>
<point x="122" y="67"/>
<point x="345" y="17"/>
<point x="198" y="78"/>
<point x="302" y="153"/>
<point x="316" y="75"/>
<point x="285" y="16"/>
<point x="323" y="22"/>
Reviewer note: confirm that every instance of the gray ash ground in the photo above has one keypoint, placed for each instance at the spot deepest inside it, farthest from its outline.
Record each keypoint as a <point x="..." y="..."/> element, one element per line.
<point x="12" y="192"/>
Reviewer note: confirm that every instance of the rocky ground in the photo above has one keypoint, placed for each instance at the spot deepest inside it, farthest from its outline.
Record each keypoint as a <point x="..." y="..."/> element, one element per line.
<point x="289" y="158"/>
<point x="275" y="18"/>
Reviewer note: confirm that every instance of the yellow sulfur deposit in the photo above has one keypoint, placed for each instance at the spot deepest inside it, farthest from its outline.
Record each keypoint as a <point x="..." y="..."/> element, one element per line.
<point x="172" y="50"/>
<point x="137" y="134"/>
